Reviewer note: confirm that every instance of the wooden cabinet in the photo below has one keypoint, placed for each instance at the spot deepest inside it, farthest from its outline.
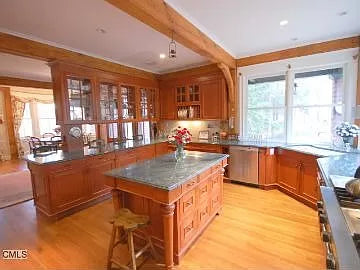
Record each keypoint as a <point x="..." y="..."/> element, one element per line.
<point x="267" y="168"/>
<point x="213" y="99"/>
<point x="108" y="101"/>
<point x="167" y="103"/>
<point x="127" y="101"/>
<point x="64" y="187"/>
<point x="148" y="103"/>
<point x="197" y="97"/>
<point x="161" y="149"/>
<point x="297" y="176"/>
<point x="97" y="166"/>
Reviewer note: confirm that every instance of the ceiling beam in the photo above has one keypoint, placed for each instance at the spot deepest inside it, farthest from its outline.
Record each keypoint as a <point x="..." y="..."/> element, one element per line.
<point x="166" y="20"/>
<point x="231" y="88"/>
<point x="196" y="71"/>
<point x="323" y="47"/>
<point x="11" y="81"/>
<point x="37" y="50"/>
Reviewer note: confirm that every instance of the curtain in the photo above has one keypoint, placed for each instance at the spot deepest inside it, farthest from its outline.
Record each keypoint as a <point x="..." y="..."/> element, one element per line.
<point x="18" y="108"/>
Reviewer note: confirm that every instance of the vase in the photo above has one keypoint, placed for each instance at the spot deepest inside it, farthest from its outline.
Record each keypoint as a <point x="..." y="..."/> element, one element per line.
<point x="347" y="142"/>
<point x="179" y="152"/>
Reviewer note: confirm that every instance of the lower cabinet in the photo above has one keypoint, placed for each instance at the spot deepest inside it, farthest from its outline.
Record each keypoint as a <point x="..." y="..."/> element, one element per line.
<point x="199" y="204"/>
<point x="64" y="187"/>
<point x="297" y="176"/>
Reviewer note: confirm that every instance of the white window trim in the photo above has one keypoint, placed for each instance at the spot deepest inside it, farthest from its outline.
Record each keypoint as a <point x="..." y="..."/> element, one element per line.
<point x="343" y="59"/>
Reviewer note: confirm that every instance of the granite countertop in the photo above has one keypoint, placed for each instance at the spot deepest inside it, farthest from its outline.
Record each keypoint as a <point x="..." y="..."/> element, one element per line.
<point x="344" y="165"/>
<point x="164" y="172"/>
<point x="61" y="156"/>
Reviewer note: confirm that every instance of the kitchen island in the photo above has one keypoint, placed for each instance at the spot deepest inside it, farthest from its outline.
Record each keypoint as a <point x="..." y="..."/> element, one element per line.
<point x="181" y="198"/>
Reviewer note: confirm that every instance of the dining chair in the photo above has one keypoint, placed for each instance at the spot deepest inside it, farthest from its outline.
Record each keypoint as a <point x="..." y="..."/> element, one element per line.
<point x="44" y="149"/>
<point x="34" y="142"/>
<point x="48" y="135"/>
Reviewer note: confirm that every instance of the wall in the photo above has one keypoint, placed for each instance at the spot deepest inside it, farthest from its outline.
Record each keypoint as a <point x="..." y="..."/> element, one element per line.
<point x="213" y="126"/>
<point x="4" y="138"/>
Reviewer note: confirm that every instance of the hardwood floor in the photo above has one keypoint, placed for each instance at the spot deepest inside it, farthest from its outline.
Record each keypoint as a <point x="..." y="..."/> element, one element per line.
<point x="257" y="229"/>
<point x="10" y="166"/>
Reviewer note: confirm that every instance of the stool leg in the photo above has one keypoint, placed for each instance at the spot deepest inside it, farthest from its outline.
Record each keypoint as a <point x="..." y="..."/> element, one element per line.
<point x="152" y="249"/>
<point x="132" y="250"/>
<point x="111" y="247"/>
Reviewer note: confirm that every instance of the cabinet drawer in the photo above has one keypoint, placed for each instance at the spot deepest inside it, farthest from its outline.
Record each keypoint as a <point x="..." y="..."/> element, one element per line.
<point x="95" y="159"/>
<point x="204" y="213"/>
<point x="189" y="185"/>
<point x="215" y="202"/>
<point x="188" y="203"/>
<point x="204" y="191"/>
<point x="216" y="181"/>
<point x="205" y="175"/>
<point x="65" y="166"/>
<point x="216" y="167"/>
<point x="188" y="229"/>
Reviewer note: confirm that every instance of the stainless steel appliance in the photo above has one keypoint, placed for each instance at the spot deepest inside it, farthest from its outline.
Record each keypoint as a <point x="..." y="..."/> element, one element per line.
<point x="244" y="163"/>
<point x="339" y="217"/>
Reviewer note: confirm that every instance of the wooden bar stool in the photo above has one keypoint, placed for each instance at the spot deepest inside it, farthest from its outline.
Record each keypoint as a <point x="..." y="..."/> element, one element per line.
<point x="125" y="223"/>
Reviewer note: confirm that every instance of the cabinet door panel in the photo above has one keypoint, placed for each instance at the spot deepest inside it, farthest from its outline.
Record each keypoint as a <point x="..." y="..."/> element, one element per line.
<point x="96" y="177"/>
<point x="167" y="103"/>
<point x="145" y="152"/>
<point x="309" y="185"/>
<point x="125" y="158"/>
<point x="68" y="187"/>
<point x="288" y="173"/>
<point x="211" y="100"/>
<point x="161" y="149"/>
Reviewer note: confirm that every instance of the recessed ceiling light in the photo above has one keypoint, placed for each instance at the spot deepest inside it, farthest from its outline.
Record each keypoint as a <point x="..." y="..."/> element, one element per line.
<point x="342" y="13"/>
<point x="101" y="31"/>
<point x="284" y="22"/>
<point x="162" y="55"/>
<point x="294" y="39"/>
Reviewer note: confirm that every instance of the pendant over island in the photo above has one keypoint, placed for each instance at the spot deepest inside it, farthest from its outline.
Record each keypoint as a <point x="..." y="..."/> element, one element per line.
<point x="181" y="198"/>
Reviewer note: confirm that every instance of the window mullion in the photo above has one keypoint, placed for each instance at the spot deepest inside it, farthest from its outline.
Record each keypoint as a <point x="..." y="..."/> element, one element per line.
<point x="288" y="104"/>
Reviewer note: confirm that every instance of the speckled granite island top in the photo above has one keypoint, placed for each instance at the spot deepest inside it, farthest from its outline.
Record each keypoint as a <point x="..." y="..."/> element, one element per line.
<point x="165" y="173"/>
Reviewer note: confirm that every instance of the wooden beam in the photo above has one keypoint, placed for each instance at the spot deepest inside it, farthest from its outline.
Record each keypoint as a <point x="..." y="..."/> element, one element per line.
<point x="197" y="71"/>
<point x="10" y="122"/>
<point x="11" y="81"/>
<point x="34" y="49"/>
<point x="323" y="47"/>
<point x="164" y="19"/>
<point x="231" y="88"/>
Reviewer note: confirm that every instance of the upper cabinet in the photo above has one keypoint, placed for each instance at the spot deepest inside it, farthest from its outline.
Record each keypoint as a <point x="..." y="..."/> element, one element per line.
<point x="80" y="95"/>
<point x="194" y="99"/>
<point x="109" y="101"/>
<point x="148" y="103"/>
<point x="128" y="102"/>
<point x="84" y="95"/>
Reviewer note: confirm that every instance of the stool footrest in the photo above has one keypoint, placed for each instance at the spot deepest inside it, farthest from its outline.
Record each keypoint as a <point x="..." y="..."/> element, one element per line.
<point x="141" y="251"/>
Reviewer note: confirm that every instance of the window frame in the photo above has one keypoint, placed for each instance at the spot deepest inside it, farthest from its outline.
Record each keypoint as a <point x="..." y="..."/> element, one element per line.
<point x="289" y="105"/>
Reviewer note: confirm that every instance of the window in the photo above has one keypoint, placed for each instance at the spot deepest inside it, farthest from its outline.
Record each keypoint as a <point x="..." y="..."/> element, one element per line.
<point x="26" y="123"/>
<point x="317" y="105"/>
<point x="307" y="111"/>
<point x="266" y="107"/>
<point x="47" y="119"/>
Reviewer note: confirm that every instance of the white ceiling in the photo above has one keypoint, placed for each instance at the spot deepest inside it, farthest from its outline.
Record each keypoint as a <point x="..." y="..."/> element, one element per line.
<point x="249" y="27"/>
<point x="23" y="67"/>
<point x="72" y="24"/>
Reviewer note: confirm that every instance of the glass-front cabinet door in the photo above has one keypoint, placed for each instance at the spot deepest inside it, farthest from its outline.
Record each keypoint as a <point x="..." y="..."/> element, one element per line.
<point x="80" y="94"/>
<point x="108" y="101"/>
<point x="194" y="93"/>
<point x="181" y="94"/>
<point x="147" y="103"/>
<point x="127" y="102"/>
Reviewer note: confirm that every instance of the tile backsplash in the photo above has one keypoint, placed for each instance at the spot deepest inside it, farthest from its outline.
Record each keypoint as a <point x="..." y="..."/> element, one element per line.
<point x="195" y="127"/>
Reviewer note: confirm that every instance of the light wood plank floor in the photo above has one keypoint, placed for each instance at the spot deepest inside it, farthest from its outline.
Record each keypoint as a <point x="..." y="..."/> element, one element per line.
<point x="10" y="166"/>
<point x="256" y="230"/>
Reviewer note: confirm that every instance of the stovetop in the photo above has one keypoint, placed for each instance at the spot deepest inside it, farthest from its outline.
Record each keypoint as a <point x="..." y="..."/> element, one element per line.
<point x="350" y="206"/>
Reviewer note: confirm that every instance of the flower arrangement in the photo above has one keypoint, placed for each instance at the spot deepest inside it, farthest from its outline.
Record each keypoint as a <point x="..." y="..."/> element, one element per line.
<point x="180" y="136"/>
<point x="346" y="129"/>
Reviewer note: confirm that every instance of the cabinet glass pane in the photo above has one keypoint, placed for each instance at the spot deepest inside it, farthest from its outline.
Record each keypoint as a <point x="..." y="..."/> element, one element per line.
<point x="127" y="101"/>
<point x="147" y="103"/>
<point x="108" y="101"/>
<point x="194" y="93"/>
<point x="180" y="94"/>
<point x="80" y="99"/>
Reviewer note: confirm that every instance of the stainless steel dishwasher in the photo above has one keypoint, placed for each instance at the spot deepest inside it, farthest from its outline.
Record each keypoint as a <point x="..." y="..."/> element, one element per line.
<point x="244" y="163"/>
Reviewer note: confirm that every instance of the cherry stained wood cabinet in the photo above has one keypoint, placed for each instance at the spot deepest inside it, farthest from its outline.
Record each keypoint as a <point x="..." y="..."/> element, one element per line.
<point x="167" y="103"/>
<point x="213" y="99"/>
<point x="162" y="149"/>
<point x="297" y="176"/>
